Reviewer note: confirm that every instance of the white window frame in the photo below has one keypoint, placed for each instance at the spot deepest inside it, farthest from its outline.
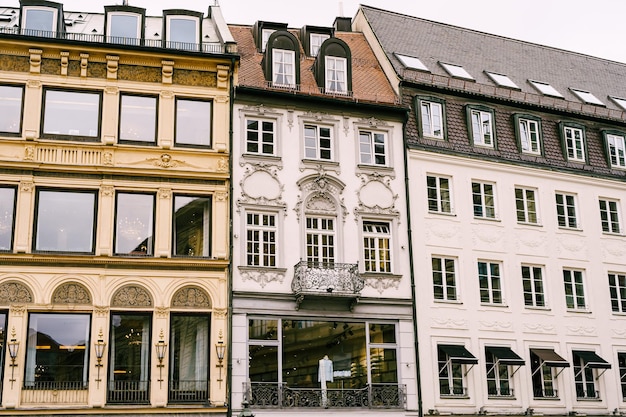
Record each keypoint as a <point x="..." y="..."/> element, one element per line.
<point x="260" y="136"/>
<point x="574" y="143"/>
<point x="55" y="19"/>
<point x="524" y="205"/>
<point x="581" y="378"/>
<point x="576" y="289"/>
<point x="535" y="278"/>
<point x="431" y="115"/>
<point x="444" y="205"/>
<point x="336" y="78"/>
<point x="566" y="210"/>
<point x="315" y="42"/>
<point x="176" y="44"/>
<point x="484" y="201"/>
<point x="444" y="278"/>
<point x="529" y="136"/>
<point x="369" y="144"/>
<point x="482" y="128"/>
<point x="326" y="238"/>
<point x="610" y="215"/>
<point x="312" y="144"/>
<point x="265" y="36"/>
<point x="377" y="246"/>
<point x="492" y="279"/>
<point x="116" y="39"/>
<point x="617" y="150"/>
<point x="268" y="250"/>
<point x="287" y="59"/>
<point x="617" y="290"/>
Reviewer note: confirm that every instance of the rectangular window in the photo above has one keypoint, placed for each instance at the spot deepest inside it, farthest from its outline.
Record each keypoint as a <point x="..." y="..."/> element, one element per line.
<point x="483" y="200"/>
<point x="584" y="377"/>
<point x="542" y="374"/>
<point x="320" y="240"/>
<point x="192" y="226"/>
<point x="57" y="351"/>
<point x="7" y="217"/>
<point x="316" y="40"/>
<point x="376" y="246"/>
<point x="529" y="136"/>
<point x="189" y="358"/>
<point x="129" y="360"/>
<point x="490" y="282"/>
<point x="444" y="278"/>
<point x="574" y="289"/>
<point x="498" y="375"/>
<point x="124" y="28"/>
<point x="432" y="119"/>
<point x="71" y="115"/>
<point x="451" y="363"/>
<point x="566" y="210"/>
<point x="617" y="150"/>
<point x="574" y="143"/>
<point x="532" y="282"/>
<point x="11" y="105"/>
<point x="260" y="137"/>
<point x="283" y="65"/>
<point x="318" y="142"/>
<point x="610" y="216"/>
<point x="261" y="244"/>
<point x="621" y="360"/>
<point x="39" y="21"/>
<point x="617" y="289"/>
<point x="183" y="33"/>
<point x="65" y="221"/>
<point x="134" y="224"/>
<point x="373" y="148"/>
<point x="482" y="128"/>
<point x="336" y="75"/>
<point x="193" y="122"/>
<point x="526" y="205"/>
<point x="138" y="119"/>
<point x="438" y="189"/>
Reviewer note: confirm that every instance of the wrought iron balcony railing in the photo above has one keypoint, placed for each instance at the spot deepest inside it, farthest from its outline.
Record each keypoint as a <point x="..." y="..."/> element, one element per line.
<point x="128" y="392"/>
<point x="189" y="392"/>
<point x="327" y="279"/>
<point x="546" y="393"/>
<point x="276" y="395"/>
<point x="52" y="392"/>
<point x="587" y="394"/>
<point x="456" y="392"/>
<point x="501" y="392"/>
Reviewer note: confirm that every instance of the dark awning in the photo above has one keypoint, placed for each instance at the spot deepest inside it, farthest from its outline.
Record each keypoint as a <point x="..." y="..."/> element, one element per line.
<point x="505" y="355"/>
<point x="550" y="358"/>
<point x="592" y="360"/>
<point x="458" y="354"/>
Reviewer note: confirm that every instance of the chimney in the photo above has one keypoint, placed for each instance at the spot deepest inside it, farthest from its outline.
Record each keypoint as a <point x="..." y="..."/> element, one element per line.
<point x="343" y="24"/>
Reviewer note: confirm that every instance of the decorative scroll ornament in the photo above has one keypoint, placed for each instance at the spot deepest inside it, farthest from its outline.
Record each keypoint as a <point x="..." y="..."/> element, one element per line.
<point x="131" y="296"/>
<point x="15" y="293"/>
<point x="261" y="186"/>
<point x="321" y="193"/>
<point x="262" y="276"/>
<point x="383" y="283"/>
<point x="71" y="293"/>
<point x="191" y="297"/>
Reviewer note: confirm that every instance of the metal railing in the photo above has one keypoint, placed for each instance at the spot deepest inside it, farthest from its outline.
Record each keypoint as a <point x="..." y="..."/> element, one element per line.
<point x="207" y="48"/>
<point x="277" y="395"/>
<point x="587" y="394"/>
<point x="128" y="392"/>
<point x="501" y="392"/>
<point x="52" y="392"/>
<point x="546" y="393"/>
<point x="455" y="392"/>
<point x="188" y="392"/>
<point x="327" y="277"/>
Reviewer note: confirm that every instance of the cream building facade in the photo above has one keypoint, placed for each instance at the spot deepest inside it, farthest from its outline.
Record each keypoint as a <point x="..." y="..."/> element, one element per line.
<point x="114" y="209"/>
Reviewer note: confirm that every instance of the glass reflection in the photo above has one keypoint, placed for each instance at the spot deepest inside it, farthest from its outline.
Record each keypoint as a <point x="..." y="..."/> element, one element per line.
<point x="39" y="20"/>
<point x="10" y="109"/>
<point x="138" y="119"/>
<point x="7" y="217"/>
<point x="74" y="114"/>
<point x="193" y="122"/>
<point x="183" y="33"/>
<point x="134" y="224"/>
<point x="191" y="225"/>
<point x="123" y="28"/>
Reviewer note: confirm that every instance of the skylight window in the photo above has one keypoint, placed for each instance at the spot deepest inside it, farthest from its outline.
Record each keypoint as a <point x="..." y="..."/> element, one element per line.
<point x="587" y="97"/>
<point x="411" y="62"/>
<point x="545" y="89"/>
<point x="621" y="102"/>
<point x="456" y="71"/>
<point x="502" y="80"/>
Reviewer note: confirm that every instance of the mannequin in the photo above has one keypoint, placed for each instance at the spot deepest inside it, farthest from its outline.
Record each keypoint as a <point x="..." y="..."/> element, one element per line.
<point x="324" y="375"/>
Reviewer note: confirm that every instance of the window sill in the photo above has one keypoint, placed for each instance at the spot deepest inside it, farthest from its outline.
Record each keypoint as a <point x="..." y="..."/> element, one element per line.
<point x="260" y="157"/>
<point x="442" y="213"/>
<point x="529" y="224"/>
<point x="578" y="311"/>
<point x="501" y="397"/>
<point x="454" y="397"/>
<point x="546" y="398"/>
<point x="570" y="229"/>
<point x="536" y="308"/>
<point x="373" y="167"/>
<point x="452" y="302"/>
<point x="612" y="234"/>
<point x="494" y="305"/>
<point x="324" y="162"/>
<point x="488" y="219"/>
<point x="589" y="400"/>
<point x="482" y="146"/>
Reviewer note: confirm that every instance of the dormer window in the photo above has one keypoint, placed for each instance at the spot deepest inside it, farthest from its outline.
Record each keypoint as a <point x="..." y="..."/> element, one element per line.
<point x="316" y="42"/>
<point x="266" y="33"/>
<point x="313" y="37"/>
<point x="262" y="32"/>
<point x="182" y="29"/>
<point x="124" y="24"/>
<point x="40" y="18"/>
<point x="333" y="69"/>
<point x="281" y="63"/>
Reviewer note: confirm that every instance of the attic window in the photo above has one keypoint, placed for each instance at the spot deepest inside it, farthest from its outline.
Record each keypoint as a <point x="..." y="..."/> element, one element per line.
<point x="587" y="97"/>
<point x="456" y="71"/>
<point x="502" y="80"/>
<point x="621" y="102"/>
<point x="545" y="89"/>
<point x="411" y="62"/>
<point x="265" y="37"/>
<point x="40" y="21"/>
<point x="317" y="39"/>
<point x="124" y="28"/>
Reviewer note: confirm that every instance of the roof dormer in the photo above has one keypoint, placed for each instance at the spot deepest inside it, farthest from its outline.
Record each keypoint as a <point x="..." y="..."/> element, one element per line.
<point x="333" y="67"/>
<point x="124" y="24"/>
<point x="313" y="37"/>
<point x="262" y="31"/>
<point x="281" y="60"/>
<point x="182" y="29"/>
<point x="41" y="18"/>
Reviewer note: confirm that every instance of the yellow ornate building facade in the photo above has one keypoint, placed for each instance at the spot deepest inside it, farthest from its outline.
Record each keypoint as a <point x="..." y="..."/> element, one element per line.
<point x="114" y="209"/>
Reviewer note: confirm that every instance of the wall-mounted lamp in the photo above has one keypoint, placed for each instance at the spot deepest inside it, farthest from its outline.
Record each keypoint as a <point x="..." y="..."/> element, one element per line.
<point x="161" y="348"/>
<point x="14" y="347"/>
<point x="220" y="349"/>
<point x="99" y="346"/>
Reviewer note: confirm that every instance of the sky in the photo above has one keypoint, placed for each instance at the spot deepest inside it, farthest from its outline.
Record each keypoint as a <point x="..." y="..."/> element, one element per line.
<point x="589" y="27"/>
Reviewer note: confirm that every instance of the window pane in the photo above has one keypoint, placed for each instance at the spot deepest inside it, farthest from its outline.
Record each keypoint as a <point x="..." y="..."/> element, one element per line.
<point x="192" y="219"/>
<point x="130" y="354"/>
<point x="10" y="109"/>
<point x="263" y="363"/>
<point x="384" y="366"/>
<point x="75" y="114"/>
<point x="193" y="122"/>
<point x="7" y="217"/>
<point x="65" y="221"/>
<point x="40" y="20"/>
<point x="183" y="31"/>
<point x="123" y="28"/>
<point x="263" y="329"/>
<point x="138" y="118"/>
<point x="134" y="224"/>
<point x="382" y="333"/>
<point x="56" y="350"/>
<point x="189" y="355"/>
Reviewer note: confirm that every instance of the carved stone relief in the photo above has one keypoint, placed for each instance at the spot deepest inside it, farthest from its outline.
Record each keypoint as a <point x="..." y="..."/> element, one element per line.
<point x="373" y="122"/>
<point x="541" y="328"/>
<point x="191" y="297"/>
<point x="383" y="283"/>
<point x="497" y="326"/>
<point x="131" y="296"/>
<point x="71" y="293"/>
<point x="262" y="276"/>
<point x="443" y="323"/>
<point x="14" y="293"/>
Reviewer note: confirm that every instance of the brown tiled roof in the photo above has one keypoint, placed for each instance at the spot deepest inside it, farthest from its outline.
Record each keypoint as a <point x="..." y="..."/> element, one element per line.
<point x="369" y="82"/>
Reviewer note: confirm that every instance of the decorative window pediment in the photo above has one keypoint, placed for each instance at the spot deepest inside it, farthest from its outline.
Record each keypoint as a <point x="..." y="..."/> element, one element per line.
<point x="191" y="297"/>
<point x="131" y="296"/>
<point x="71" y="293"/>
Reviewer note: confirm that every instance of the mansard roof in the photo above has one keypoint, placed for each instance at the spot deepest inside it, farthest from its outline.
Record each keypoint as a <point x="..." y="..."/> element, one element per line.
<point x="477" y="52"/>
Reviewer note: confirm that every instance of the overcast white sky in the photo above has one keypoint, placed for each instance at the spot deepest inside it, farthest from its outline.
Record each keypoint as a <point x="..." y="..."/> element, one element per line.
<point x="592" y="27"/>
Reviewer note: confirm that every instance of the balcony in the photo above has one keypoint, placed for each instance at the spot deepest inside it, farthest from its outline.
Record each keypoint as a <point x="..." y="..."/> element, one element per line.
<point x="53" y="392"/>
<point x="277" y="395"/>
<point x="188" y="392"/>
<point x="128" y="392"/>
<point x="327" y="282"/>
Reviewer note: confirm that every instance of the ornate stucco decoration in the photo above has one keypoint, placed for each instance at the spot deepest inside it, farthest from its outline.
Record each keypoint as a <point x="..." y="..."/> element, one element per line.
<point x="101" y="311"/>
<point x="376" y="196"/>
<point x="107" y="190"/>
<point x="131" y="296"/>
<point x="15" y="293"/>
<point x="18" y="310"/>
<point x="29" y="153"/>
<point x="222" y="76"/>
<point x="162" y="312"/>
<point x="443" y="323"/>
<point x="260" y="185"/>
<point x="373" y="122"/>
<point x="541" y="328"/>
<point x="165" y="193"/>
<point x="35" y="60"/>
<point x="71" y="293"/>
<point x="320" y="195"/>
<point x="166" y="161"/>
<point x="318" y="117"/>
<point x="262" y="276"/>
<point x="220" y="313"/>
<point x="485" y="235"/>
<point x="222" y="165"/>
<point x="65" y="61"/>
<point x="167" y="71"/>
<point x="112" y="65"/>
<point x="497" y="326"/>
<point x="27" y="186"/>
<point x="381" y="283"/>
<point x="84" y="63"/>
<point x="191" y="297"/>
<point x="582" y="331"/>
